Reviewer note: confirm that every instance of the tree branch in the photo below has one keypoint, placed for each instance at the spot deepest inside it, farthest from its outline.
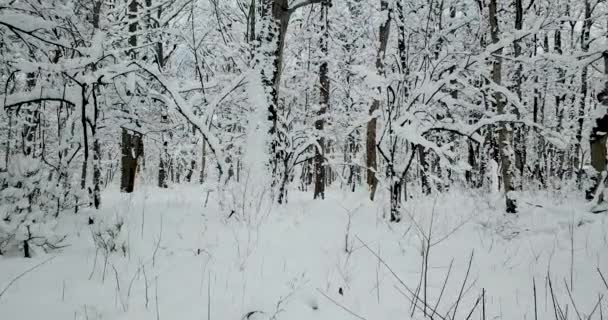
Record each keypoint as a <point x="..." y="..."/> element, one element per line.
<point x="302" y="4"/>
<point x="37" y="100"/>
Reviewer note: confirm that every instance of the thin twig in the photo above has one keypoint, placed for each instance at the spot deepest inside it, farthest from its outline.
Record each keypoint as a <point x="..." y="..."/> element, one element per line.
<point x="463" y="285"/>
<point x="417" y="298"/>
<point x="393" y="273"/>
<point x="598" y="304"/>
<point x="603" y="279"/>
<point x="209" y="297"/>
<point x="572" y="300"/>
<point x="445" y="282"/>
<point x="341" y="306"/>
<point x="474" y="307"/>
<point x="483" y="304"/>
<point x="535" y="304"/>
<point x="156" y="297"/>
<point x="160" y="237"/>
<point x="21" y="275"/>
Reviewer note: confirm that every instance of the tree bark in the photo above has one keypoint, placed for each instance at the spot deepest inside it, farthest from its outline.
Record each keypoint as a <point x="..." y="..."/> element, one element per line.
<point x="584" y="91"/>
<point x="519" y="140"/>
<point x="320" y="176"/>
<point x="371" y="153"/>
<point x="598" y="139"/>
<point x="96" y="153"/>
<point x="504" y="133"/>
<point x="85" y="137"/>
<point x="132" y="150"/>
<point x="131" y="142"/>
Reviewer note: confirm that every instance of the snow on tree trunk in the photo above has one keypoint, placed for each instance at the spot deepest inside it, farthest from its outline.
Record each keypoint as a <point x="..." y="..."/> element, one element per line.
<point x="504" y="133"/>
<point x="371" y="154"/>
<point x="324" y="89"/>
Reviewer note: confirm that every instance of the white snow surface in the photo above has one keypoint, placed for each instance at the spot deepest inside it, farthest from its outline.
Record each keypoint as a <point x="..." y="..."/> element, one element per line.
<point x="185" y="261"/>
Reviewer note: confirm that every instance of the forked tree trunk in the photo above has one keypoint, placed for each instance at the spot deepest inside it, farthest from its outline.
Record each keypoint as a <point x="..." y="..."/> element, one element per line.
<point x="96" y="143"/>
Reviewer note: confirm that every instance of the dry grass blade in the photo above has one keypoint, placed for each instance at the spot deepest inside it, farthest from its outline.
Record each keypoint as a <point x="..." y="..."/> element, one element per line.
<point x="445" y="282"/>
<point x="466" y="277"/>
<point x="410" y="291"/>
<point x="572" y="301"/>
<point x="21" y="275"/>
<point x="417" y="306"/>
<point x="597" y="304"/>
<point x="602" y="276"/>
<point x="535" y="303"/>
<point x="341" y="306"/>
<point x="474" y="307"/>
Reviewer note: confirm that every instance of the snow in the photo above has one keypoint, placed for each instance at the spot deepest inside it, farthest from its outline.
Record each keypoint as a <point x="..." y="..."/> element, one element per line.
<point x="25" y="22"/>
<point x="186" y="261"/>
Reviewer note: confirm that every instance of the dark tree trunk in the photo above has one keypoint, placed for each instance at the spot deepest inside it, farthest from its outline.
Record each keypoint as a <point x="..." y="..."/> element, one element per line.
<point x="558" y="161"/>
<point x="162" y="166"/>
<point x="371" y="153"/>
<point x="85" y="136"/>
<point x="132" y="150"/>
<point x="131" y="142"/>
<point x="320" y="174"/>
<point x="598" y="140"/>
<point x="577" y="163"/>
<point x="519" y="141"/>
<point x="96" y="154"/>
<point x="424" y="169"/>
<point x="203" y="163"/>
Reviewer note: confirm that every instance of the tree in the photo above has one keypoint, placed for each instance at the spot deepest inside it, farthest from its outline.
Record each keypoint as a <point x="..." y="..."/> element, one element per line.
<point x="324" y="89"/>
<point x="371" y="154"/>
<point x="504" y="133"/>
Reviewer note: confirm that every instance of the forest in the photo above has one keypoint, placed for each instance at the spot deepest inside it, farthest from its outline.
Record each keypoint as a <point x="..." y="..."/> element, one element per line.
<point x="303" y="159"/>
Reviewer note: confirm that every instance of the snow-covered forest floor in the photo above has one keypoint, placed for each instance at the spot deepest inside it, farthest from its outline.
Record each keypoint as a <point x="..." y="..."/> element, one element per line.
<point x="332" y="259"/>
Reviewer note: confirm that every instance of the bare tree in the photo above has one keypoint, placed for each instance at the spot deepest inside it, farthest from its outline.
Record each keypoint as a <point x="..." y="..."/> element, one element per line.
<point x="131" y="142"/>
<point x="320" y="170"/>
<point x="371" y="140"/>
<point x="504" y="133"/>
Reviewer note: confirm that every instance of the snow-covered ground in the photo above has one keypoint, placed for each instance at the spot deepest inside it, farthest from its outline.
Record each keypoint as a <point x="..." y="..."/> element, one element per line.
<point x="332" y="259"/>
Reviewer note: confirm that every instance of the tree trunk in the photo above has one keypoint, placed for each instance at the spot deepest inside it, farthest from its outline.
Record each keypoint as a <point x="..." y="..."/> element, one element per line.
<point x="424" y="169"/>
<point x="577" y="163"/>
<point x="519" y="140"/>
<point x="557" y="163"/>
<point x="203" y="163"/>
<point x="132" y="150"/>
<point x="371" y="153"/>
<point x="320" y="176"/>
<point x="598" y="139"/>
<point x="504" y="133"/>
<point x="96" y="153"/>
<point x="131" y="142"/>
<point x="162" y="166"/>
<point x="85" y="136"/>
<point x="270" y="44"/>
